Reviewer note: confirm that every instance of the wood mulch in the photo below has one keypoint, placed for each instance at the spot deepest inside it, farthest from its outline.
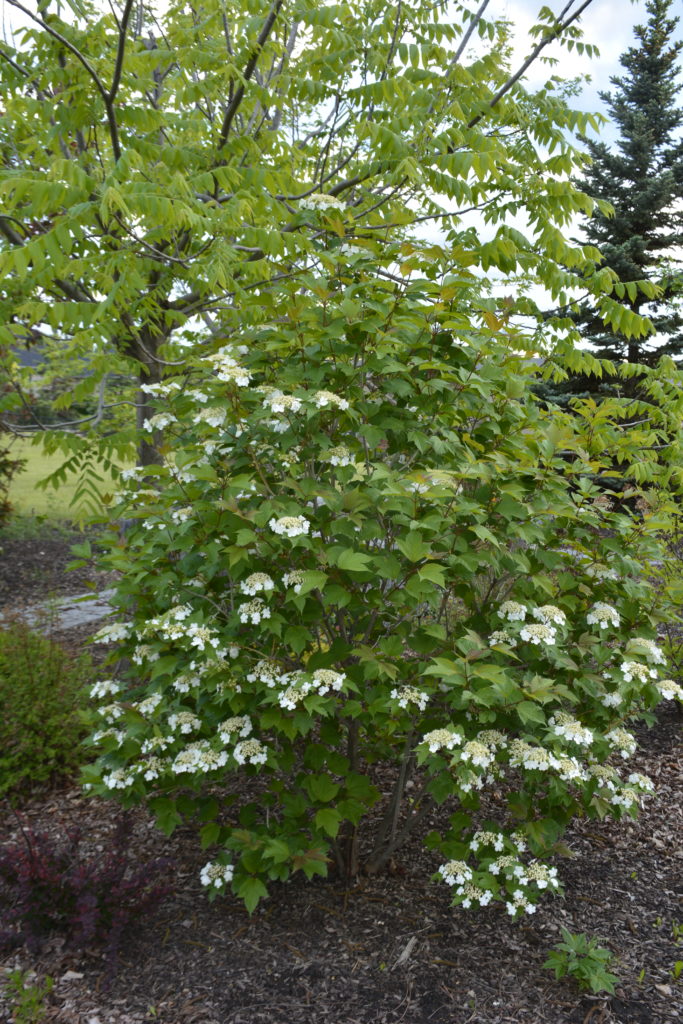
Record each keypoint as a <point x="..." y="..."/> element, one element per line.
<point x="386" y="950"/>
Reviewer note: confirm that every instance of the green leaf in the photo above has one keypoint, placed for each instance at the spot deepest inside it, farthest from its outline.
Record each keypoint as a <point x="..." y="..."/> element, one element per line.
<point x="328" y="820"/>
<point x="353" y="561"/>
<point x="251" y="890"/>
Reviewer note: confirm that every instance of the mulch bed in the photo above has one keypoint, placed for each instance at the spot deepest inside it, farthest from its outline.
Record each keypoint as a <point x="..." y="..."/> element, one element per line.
<point x="388" y="949"/>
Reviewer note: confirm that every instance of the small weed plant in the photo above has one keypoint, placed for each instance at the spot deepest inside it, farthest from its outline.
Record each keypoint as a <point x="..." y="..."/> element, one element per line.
<point x="89" y="898"/>
<point x="43" y="699"/>
<point x="584" y="960"/>
<point x="28" y="996"/>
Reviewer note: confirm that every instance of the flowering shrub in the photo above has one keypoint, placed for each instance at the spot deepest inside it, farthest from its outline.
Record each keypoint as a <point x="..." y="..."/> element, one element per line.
<point x="369" y="545"/>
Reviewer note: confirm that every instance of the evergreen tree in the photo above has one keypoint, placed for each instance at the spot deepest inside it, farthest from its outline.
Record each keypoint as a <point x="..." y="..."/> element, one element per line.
<point x="642" y="178"/>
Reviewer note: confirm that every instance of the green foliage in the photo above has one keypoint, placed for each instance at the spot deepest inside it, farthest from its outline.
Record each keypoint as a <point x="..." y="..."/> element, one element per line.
<point x="584" y="960"/>
<point x="368" y="545"/>
<point x="10" y="466"/>
<point x="168" y="199"/>
<point x="28" y="996"/>
<point x="42" y="703"/>
<point x="637" y="184"/>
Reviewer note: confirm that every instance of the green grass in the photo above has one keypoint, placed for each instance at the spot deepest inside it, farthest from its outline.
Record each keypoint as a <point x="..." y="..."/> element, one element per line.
<point x="29" y="499"/>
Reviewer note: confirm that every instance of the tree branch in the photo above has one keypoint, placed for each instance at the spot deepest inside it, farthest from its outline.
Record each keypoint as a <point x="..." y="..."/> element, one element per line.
<point x="248" y="72"/>
<point x="111" y="119"/>
<point x="123" y="28"/>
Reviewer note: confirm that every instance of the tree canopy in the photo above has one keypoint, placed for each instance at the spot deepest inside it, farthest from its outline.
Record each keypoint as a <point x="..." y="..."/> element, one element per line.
<point x="159" y="171"/>
<point x="641" y="176"/>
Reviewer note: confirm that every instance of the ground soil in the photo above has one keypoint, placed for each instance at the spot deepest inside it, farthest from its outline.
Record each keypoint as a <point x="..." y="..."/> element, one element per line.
<point x="382" y="950"/>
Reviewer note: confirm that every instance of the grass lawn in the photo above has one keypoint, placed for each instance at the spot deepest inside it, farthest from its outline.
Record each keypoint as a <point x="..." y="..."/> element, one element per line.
<point x="29" y="499"/>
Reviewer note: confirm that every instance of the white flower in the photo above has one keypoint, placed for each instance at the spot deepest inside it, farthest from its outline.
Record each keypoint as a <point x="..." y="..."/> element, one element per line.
<point x="185" y="721"/>
<point x="624" y="741"/>
<point x="320" y="201"/>
<point x="118" y="779"/>
<point x="339" y="456"/>
<point x="455" y="872"/>
<point x="405" y="695"/>
<point x="198" y="757"/>
<point x="494" y="839"/>
<point x="500" y="636"/>
<point x="651" y="650"/>
<point x="601" y="572"/>
<point x="216" y="875"/>
<point x="538" y="633"/>
<point x="254" y="611"/>
<point x="104" y="688"/>
<point x="227" y="368"/>
<point x="250" y="752"/>
<point x="549" y="614"/>
<point x="149" y="705"/>
<point x="439" y="739"/>
<point x="294" y="579"/>
<point x="603" y="615"/>
<point x="634" y="670"/>
<point x="670" y="690"/>
<point x="326" y="679"/>
<point x="213" y="417"/>
<point x="112" y="633"/>
<point x="290" y="526"/>
<point x="478" y="753"/>
<point x="158" y="422"/>
<point x="512" y="611"/>
<point x="257" y="582"/>
<point x="324" y="398"/>
<point x="240" y="724"/>
<point x="276" y="401"/>
<point x="611" y="700"/>
<point x="571" y="729"/>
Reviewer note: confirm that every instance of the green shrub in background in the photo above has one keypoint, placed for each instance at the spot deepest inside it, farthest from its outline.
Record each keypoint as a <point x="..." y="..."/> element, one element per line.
<point x="42" y="704"/>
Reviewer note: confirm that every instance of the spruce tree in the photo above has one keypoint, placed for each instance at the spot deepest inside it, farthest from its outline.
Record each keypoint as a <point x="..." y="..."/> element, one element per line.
<point x="642" y="177"/>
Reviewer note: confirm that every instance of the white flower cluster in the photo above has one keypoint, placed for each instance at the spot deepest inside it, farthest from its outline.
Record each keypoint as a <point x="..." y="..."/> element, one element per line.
<point x="442" y="739"/>
<point x="339" y="456"/>
<point x="240" y="724"/>
<point x="634" y="670"/>
<point x="571" y="729"/>
<point x="113" y="633"/>
<point x="216" y="875"/>
<point x="601" y="572"/>
<point x="254" y="611"/>
<point x="320" y="201"/>
<point x="250" y="752"/>
<point x="549" y="615"/>
<point x="290" y="526"/>
<point x="257" y="582"/>
<point x="477" y="753"/>
<point x="624" y="741"/>
<point x="198" y="758"/>
<point x="405" y="695"/>
<point x="104" y="688"/>
<point x="162" y="390"/>
<point x="512" y="611"/>
<point x="214" y="417"/>
<point x="603" y="615"/>
<point x="185" y="722"/>
<point x="455" y="872"/>
<point x="323" y="399"/>
<point x="148" y="705"/>
<point x="501" y="636"/>
<point x="298" y="686"/>
<point x="538" y="633"/>
<point x="228" y="370"/>
<point x="120" y="778"/>
<point x="493" y="839"/>
<point x="278" y="402"/>
<point x="649" y="648"/>
<point x="670" y="690"/>
<point x="158" y="422"/>
<point x="293" y="579"/>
